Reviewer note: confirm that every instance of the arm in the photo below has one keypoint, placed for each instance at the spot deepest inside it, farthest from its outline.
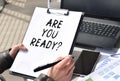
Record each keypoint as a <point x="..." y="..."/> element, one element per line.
<point x="5" y="60"/>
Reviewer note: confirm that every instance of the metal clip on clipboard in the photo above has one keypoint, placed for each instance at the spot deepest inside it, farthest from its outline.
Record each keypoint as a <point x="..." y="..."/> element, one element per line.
<point x="56" y="11"/>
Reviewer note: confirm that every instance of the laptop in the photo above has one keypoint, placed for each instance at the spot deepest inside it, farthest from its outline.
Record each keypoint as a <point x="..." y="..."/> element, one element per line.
<point x="100" y="26"/>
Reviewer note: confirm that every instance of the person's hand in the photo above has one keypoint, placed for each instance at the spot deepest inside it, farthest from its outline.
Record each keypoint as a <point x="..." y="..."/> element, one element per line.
<point x="63" y="70"/>
<point x="15" y="49"/>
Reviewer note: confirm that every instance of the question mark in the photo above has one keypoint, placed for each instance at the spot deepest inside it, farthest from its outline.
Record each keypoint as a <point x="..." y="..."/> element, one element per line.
<point x="60" y="44"/>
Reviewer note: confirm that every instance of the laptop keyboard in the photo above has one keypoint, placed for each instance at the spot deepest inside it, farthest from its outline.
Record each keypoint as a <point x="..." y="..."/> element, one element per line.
<point x="99" y="29"/>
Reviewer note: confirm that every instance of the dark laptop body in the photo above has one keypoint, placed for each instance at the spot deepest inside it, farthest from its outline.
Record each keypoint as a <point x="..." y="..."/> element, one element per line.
<point x="101" y="11"/>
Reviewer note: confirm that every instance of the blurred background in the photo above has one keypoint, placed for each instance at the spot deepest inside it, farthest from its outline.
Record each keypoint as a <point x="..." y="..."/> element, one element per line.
<point x="14" y="20"/>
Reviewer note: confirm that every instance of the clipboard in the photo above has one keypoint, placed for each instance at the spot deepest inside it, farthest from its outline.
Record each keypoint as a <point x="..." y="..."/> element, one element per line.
<point x="46" y="38"/>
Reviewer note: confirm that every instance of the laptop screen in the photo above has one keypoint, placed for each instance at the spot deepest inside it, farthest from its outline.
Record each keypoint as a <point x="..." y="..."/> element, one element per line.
<point x="102" y="8"/>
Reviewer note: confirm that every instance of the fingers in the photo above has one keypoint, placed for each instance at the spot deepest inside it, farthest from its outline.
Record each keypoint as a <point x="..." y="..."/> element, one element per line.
<point x="21" y="47"/>
<point x="63" y="70"/>
<point x="70" y="73"/>
<point x="70" y="66"/>
<point x="66" y="66"/>
<point x="16" y="48"/>
<point x="67" y="61"/>
<point x="59" y="58"/>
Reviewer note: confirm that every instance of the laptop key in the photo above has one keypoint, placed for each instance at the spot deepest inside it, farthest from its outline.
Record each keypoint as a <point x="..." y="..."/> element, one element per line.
<point x="99" y="29"/>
